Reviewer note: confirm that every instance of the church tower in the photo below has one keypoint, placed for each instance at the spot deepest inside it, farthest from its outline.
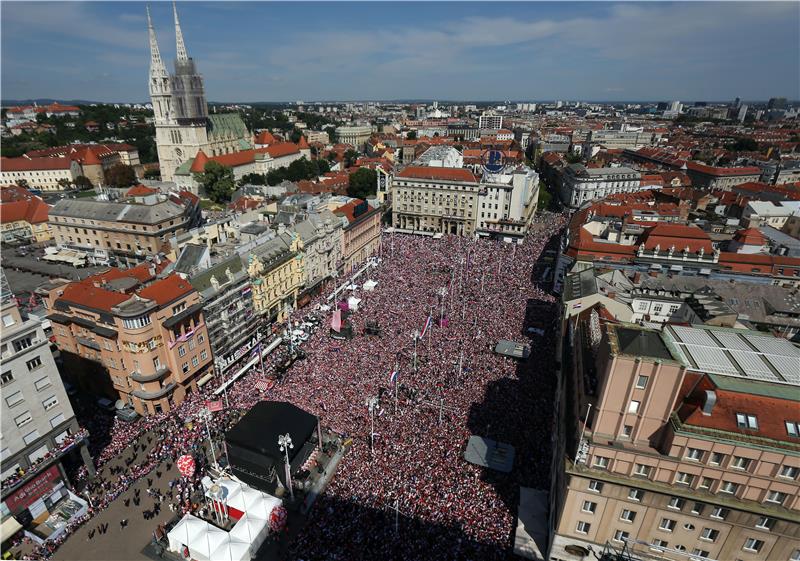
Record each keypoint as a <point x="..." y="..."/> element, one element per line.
<point x="187" y="85"/>
<point x="159" y="83"/>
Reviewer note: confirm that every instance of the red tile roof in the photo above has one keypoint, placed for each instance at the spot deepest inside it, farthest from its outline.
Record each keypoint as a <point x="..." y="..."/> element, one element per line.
<point x="722" y="172"/>
<point x="90" y="158"/>
<point x="442" y="174"/>
<point x="281" y="149"/>
<point x="750" y="236"/>
<point x="303" y="144"/>
<point x="167" y="290"/>
<point x="199" y="163"/>
<point x="140" y="191"/>
<point x="34" y="164"/>
<point x="22" y="207"/>
<point x="678" y="236"/>
<point x="264" y="137"/>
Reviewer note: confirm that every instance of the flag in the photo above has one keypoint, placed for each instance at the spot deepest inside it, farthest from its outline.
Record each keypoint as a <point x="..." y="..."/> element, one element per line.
<point x="427" y="325"/>
<point x="336" y="321"/>
<point x="214" y="405"/>
<point x="393" y="377"/>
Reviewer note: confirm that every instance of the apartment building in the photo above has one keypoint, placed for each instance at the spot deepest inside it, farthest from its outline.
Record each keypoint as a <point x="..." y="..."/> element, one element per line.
<point x="276" y="273"/>
<point x="126" y="335"/>
<point x="490" y="121"/>
<point x="129" y="230"/>
<point x="40" y="433"/>
<point x="44" y="174"/>
<point x="580" y="184"/>
<point x="710" y="177"/>
<point x="321" y="234"/>
<point x="507" y="204"/>
<point x="23" y="216"/>
<point x="690" y="449"/>
<point x="361" y="233"/>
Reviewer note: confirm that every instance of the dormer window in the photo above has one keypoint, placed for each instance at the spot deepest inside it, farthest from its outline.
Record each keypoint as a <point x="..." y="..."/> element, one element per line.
<point x="793" y="428"/>
<point x="746" y="421"/>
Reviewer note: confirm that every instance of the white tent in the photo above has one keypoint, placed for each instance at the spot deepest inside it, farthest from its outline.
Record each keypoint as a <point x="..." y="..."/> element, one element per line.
<point x="186" y="532"/>
<point x="250" y="530"/>
<point x="370" y="285"/>
<point x="353" y="303"/>
<point x="232" y="550"/>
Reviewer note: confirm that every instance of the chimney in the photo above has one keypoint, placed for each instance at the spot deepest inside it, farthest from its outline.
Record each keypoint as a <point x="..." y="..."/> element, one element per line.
<point x="709" y="402"/>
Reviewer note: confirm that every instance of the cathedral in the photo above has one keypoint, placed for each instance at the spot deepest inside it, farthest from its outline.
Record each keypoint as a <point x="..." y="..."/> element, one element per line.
<point x="183" y="125"/>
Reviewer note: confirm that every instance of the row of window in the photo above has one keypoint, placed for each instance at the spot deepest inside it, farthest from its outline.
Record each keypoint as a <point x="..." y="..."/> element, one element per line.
<point x="739" y="462"/>
<point x="24" y="418"/>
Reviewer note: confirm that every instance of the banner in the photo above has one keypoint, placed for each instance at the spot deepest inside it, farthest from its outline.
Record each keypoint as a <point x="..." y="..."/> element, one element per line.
<point x="214" y="405"/>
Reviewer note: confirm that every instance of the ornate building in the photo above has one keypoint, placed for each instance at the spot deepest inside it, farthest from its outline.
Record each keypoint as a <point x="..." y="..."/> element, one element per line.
<point x="183" y="125"/>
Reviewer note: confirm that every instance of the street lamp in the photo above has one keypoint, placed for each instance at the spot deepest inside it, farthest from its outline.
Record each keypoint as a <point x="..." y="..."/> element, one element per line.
<point x="372" y="405"/>
<point x="284" y="443"/>
<point x="416" y="335"/>
<point x="205" y="415"/>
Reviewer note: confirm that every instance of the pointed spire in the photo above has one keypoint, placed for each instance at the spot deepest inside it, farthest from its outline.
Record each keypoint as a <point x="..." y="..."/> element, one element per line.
<point x="157" y="68"/>
<point x="180" y="48"/>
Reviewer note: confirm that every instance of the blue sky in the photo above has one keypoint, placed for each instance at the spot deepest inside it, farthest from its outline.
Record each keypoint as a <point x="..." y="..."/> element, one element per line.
<point x="254" y="51"/>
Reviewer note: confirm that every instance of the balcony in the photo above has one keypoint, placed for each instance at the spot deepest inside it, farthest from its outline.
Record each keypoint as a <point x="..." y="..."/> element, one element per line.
<point x="157" y="375"/>
<point x="154" y="395"/>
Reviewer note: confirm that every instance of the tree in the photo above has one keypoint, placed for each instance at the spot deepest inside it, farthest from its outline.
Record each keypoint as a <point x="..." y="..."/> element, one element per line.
<point x="411" y="135"/>
<point x="331" y="135"/>
<point x="82" y="183"/>
<point x="573" y="158"/>
<point x="745" y="145"/>
<point x="363" y="183"/>
<point x="545" y="199"/>
<point x="253" y="179"/>
<point x="297" y="170"/>
<point x="121" y="175"/>
<point x="152" y="174"/>
<point x="295" y="136"/>
<point x="217" y="181"/>
<point x="64" y="183"/>
<point x="350" y="158"/>
<point x="323" y="165"/>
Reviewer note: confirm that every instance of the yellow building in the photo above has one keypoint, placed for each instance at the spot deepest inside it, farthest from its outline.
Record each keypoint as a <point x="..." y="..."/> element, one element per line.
<point x="23" y="216"/>
<point x="277" y="273"/>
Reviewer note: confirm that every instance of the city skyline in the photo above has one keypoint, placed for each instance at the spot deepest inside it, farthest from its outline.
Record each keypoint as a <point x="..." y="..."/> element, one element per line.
<point x="354" y="51"/>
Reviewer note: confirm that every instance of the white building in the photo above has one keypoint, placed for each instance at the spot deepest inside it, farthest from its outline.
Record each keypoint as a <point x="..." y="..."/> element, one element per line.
<point x="580" y="184"/>
<point x="39" y="173"/>
<point x="490" y="121"/>
<point x="440" y="156"/>
<point x="355" y="135"/>
<point x="507" y="204"/>
<point x="769" y="213"/>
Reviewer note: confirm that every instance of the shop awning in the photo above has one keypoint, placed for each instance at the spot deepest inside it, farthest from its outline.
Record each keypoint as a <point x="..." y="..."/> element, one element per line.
<point x="10" y="527"/>
<point x="204" y="380"/>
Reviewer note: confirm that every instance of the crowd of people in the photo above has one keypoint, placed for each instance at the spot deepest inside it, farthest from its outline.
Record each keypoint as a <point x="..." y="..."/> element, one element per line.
<point x="449" y="385"/>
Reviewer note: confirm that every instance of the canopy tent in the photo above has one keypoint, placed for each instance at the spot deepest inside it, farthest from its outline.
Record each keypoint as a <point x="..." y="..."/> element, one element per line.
<point x="251" y="531"/>
<point x="370" y="285"/>
<point x="242" y="499"/>
<point x="185" y="532"/>
<point x="232" y="550"/>
<point x="10" y="527"/>
<point x="353" y="302"/>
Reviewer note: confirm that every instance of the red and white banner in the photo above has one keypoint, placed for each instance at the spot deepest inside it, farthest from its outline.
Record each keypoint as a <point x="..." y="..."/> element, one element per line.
<point x="214" y="405"/>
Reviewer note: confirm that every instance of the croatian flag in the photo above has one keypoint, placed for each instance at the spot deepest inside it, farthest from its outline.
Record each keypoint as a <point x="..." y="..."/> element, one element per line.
<point x="336" y="321"/>
<point x="427" y="325"/>
<point x="393" y="377"/>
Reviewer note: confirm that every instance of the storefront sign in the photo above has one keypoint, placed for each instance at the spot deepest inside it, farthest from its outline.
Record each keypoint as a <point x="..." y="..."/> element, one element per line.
<point x="36" y="488"/>
<point x="239" y="353"/>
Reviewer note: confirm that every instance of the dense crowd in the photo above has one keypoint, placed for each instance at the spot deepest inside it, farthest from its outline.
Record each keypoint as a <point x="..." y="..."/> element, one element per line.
<point x="475" y="292"/>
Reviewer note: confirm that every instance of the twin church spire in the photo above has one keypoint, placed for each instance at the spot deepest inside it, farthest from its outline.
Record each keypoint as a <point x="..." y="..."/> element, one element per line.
<point x="157" y="67"/>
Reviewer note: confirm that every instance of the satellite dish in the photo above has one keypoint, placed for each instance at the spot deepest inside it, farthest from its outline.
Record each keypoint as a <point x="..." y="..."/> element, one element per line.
<point x="119" y="405"/>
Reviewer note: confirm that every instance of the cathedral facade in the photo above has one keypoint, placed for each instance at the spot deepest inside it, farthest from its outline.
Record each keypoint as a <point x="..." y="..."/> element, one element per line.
<point x="183" y="124"/>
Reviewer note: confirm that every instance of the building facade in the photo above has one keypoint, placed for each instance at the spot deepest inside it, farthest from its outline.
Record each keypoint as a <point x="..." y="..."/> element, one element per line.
<point x="40" y="432"/>
<point x="277" y="275"/>
<point x="710" y="177"/>
<point x="23" y="216"/>
<point x="580" y="184"/>
<point x="183" y="124"/>
<point x="691" y="447"/>
<point x="361" y="235"/>
<point x="44" y="174"/>
<point x="321" y="234"/>
<point x="357" y="136"/>
<point x="128" y="336"/>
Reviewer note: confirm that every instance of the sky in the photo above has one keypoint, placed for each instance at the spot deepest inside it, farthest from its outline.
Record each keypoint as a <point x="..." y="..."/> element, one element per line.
<point x="520" y="51"/>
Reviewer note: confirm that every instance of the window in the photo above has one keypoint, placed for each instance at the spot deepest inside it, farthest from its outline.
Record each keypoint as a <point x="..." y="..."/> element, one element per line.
<point x="699" y="552"/>
<point x="595" y="486"/>
<point x="24" y="419"/>
<point x="583" y="527"/>
<point x="57" y="420"/>
<point x="775" y="497"/>
<point x="621" y="536"/>
<point x="709" y="534"/>
<point x="200" y="339"/>
<point x="185" y="367"/>
<point x="752" y="544"/>
<point x="8" y="320"/>
<point x="589" y="506"/>
<point x="50" y="402"/>
<point x="746" y="421"/>
<point x="719" y="513"/>
<point x="6" y="377"/>
<point x="717" y="458"/>
<point x="635" y="495"/>
<point x="789" y="472"/>
<point x="627" y="430"/>
<point x="179" y="308"/>
<point x="627" y="515"/>
<point x="698" y="508"/>
<point x="657" y="308"/>
<point x="667" y="524"/>
<point x="41" y="383"/>
<point x="739" y="462"/>
<point x="203" y="355"/>
<point x="192" y="345"/>
<point x="31" y="437"/>
<point x="793" y="428"/>
<point x="14" y="398"/>
<point x="33" y="363"/>
<point x="795" y="555"/>
<point x="633" y="406"/>
<point x="22" y="343"/>
<point x="181" y="350"/>
<point x="600" y="462"/>
<point x="676" y="503"/>
<point x="728" y="487"/>
<point x="137" y="322"/>
<point x="658" y="545"/>
<point x="195" y="361"/>
<point x="694" y="454"/>
<point x="641" y="382"/>
<point x="765" y="523"/>
<point x="642" y="470"/>
<point x="684" y="478"/>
